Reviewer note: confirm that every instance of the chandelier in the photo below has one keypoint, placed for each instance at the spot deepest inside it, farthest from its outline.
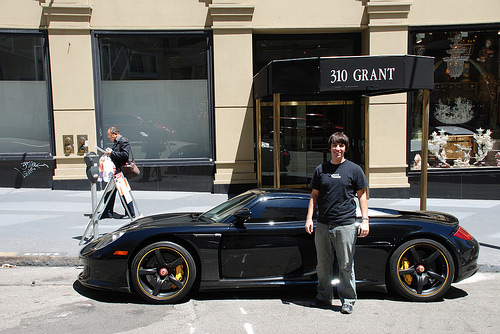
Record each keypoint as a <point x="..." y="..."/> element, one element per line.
<point x="455" y="62"/>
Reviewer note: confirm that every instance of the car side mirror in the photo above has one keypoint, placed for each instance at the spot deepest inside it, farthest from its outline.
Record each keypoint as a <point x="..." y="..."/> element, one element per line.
<point x="241" y="215"/>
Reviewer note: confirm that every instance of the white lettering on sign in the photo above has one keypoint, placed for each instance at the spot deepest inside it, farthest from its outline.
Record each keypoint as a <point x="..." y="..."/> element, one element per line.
<point x="363" y="74"/>
<point x="381" y="74"/>
<point x="339" y="76"/>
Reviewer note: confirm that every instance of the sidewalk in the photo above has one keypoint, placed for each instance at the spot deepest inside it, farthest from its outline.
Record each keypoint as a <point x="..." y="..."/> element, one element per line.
<point x="43" y="226"/>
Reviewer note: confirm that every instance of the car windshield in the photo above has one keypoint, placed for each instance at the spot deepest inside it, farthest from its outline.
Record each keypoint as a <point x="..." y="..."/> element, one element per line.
<point x="222" y="211"/>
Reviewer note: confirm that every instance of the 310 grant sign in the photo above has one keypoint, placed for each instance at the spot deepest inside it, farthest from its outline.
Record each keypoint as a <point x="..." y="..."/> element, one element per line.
<point x="359" y="75"/>
<point x="363" y="73"/>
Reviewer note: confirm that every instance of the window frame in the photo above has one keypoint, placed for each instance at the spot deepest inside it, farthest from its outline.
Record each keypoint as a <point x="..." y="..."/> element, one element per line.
<point x="101" y="132"/>
<point x="43" y="34"/>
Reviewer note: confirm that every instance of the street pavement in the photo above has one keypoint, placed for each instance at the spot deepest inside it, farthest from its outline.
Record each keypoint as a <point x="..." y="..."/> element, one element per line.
<point x="44" y="226"/>
<point x="49" y="300"/>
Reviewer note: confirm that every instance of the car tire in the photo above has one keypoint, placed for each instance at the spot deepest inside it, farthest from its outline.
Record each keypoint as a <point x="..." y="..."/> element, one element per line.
<point x="421" y="270"/>
<point x="163" y="272"/>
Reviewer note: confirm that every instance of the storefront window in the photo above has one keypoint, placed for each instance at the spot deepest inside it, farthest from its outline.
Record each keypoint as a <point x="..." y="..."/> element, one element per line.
<point x="154" y="89"/>
<point x="464" y="113"/>
<point x="24" y="126"/>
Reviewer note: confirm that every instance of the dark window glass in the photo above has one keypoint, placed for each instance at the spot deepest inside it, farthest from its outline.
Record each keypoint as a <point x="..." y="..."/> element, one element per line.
<point x="279" y="210"/>
<point x="23" y="94"/>
<point x="276" y="47"/>
<point x="140" y="57"/>
<point x="464" y="111"/>
<point x="21" y="57"/>
<point x="224" y="210"/>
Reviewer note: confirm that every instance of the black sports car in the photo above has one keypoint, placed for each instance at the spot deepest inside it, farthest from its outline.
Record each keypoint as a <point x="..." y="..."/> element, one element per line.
<point x="258" y="239"/>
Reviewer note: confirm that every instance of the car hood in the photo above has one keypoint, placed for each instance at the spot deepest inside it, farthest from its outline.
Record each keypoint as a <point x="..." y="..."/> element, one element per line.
<point x="166" y="219"/>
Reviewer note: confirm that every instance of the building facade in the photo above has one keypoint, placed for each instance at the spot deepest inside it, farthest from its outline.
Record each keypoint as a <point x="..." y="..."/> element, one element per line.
<point x="176" y="77"/>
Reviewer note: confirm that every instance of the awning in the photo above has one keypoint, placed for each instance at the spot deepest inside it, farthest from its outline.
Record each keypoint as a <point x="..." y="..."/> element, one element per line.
<point x="365" y="75"/>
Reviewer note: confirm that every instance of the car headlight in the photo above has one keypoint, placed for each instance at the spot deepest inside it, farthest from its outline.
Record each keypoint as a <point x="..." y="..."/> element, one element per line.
<point x="108" y="238"/>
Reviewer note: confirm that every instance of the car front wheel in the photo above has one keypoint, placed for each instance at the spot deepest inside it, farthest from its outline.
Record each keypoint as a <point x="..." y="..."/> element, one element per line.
<point x="421" y="270"/>
<point x="163" y="272"/>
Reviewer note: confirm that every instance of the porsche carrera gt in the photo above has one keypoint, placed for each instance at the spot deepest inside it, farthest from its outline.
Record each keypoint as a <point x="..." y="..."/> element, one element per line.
<point x="257" y="239"/>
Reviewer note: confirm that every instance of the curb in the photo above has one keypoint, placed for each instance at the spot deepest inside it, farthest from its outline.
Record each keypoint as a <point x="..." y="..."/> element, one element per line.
<point x="40" y="261"/>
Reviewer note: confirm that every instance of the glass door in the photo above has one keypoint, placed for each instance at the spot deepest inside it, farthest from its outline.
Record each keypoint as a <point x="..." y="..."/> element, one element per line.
<point x="305" y="127"/>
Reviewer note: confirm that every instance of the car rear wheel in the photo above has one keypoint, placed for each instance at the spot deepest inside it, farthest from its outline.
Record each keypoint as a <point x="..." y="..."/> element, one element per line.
<point x="421" y="270"/>
<point x="163" y="272"/>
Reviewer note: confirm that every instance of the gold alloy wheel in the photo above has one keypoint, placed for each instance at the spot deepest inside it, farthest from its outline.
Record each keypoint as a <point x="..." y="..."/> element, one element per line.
<point x="421" y="270"/>
<point x="163" y="272"/>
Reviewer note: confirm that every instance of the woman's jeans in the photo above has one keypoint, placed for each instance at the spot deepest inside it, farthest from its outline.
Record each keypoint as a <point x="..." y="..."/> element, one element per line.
<point x="336" y="241"/>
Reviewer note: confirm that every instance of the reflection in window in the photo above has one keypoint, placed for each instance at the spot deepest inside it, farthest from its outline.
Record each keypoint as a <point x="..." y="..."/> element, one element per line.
<point x="464" y="111"/>
<point x="279" y="210"/>
<point x="224" y="210"/>
<point x="23" y="95"/>
<point x="154" y="89"/>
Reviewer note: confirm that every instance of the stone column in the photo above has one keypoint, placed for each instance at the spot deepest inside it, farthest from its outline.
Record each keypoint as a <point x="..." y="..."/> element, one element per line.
<point x="387" y="115"/>
<point x="68" y="25"/>
<point x="233" y="77"/>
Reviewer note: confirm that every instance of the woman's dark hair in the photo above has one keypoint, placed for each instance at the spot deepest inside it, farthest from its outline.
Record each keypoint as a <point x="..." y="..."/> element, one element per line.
<point x="339" y="138"/>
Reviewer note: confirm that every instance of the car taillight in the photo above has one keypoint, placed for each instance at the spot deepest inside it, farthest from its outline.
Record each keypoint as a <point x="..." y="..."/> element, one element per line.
<point x="463" y="234"/>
